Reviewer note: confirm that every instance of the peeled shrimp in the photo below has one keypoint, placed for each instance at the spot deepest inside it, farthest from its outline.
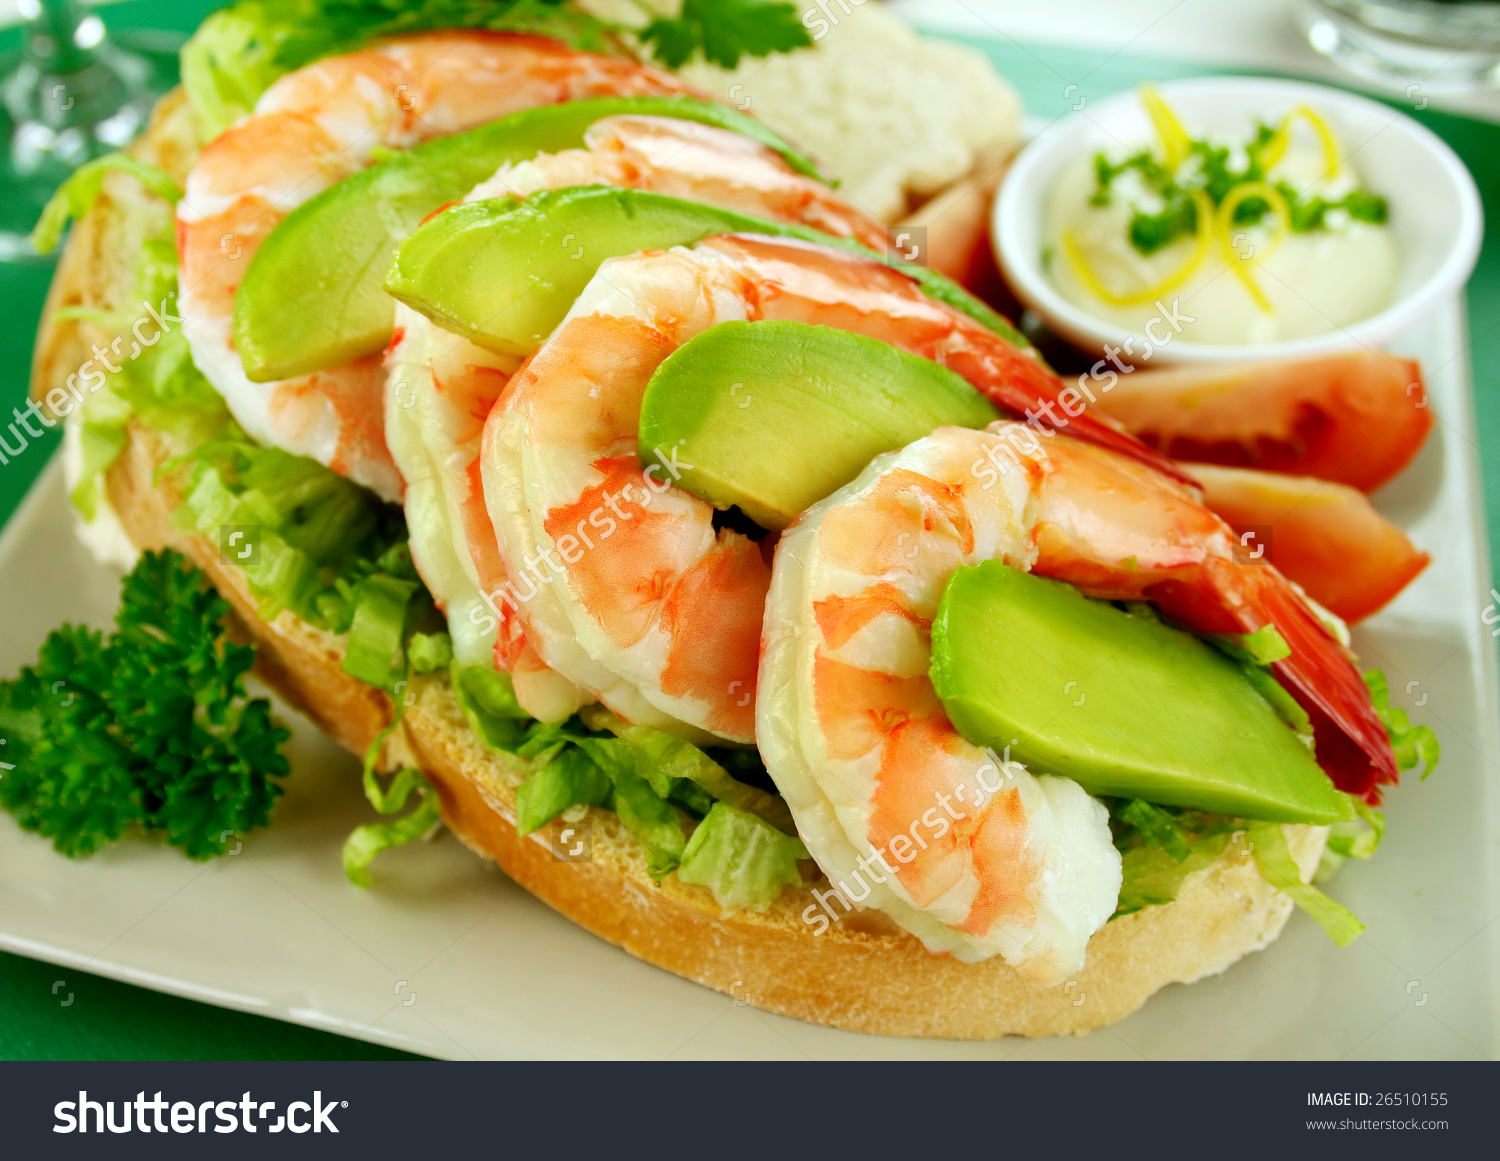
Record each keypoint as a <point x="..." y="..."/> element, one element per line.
<point x="684" y="159"/>
<point x="440" y="387"/>
<point x="970" y="852"/>
<point x="661" y="614"/>
<point x="313" y="128"/>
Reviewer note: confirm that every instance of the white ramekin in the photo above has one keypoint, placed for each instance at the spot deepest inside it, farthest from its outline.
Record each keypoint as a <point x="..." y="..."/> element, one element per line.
<point x="1435" y="207"/>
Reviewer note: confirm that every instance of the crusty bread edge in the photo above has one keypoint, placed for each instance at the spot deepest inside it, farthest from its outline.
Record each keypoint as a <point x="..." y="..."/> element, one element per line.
<point x="862" y="974"/>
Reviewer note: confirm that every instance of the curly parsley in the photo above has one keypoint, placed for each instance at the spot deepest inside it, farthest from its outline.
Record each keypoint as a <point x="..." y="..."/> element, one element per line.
<point x="150" y="727"/>
<point x="725" y="30"/>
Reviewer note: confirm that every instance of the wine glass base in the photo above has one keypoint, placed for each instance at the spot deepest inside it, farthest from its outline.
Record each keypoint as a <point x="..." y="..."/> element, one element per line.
<point x="41" y="157"/>
<point x="1401" y="63"/>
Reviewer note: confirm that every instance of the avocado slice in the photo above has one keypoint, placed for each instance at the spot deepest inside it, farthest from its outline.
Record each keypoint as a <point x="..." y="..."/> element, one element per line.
<point x="771" y="416"/>
<point x="1124" y="705"/>
<point x="312" y="297"/>
<point x="503" y="274"/>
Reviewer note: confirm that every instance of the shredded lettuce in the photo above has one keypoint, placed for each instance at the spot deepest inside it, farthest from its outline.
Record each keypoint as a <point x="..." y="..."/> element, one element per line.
<point x="647" y="815"/>
<point x="1356" y="839"/>
<point x="374" y="653"/>
<point x="1161" y="846"/>
<point x="312" y="542"/>
<point x="365" y="842"/>
<point x="569" y="778"/>
<point x="1414" y="745"/>
<point x="76" y="195"/>
<point x="489" y="703"/>
<point x="670" y="761"/>
<point x="1274" y="858"/>
<point x="1255" y="653"/>
<point x="231" y="60"/>
<point x="644" y="775"/>
<point x="429" y="652"/>
<point x="741" y="858"/>
<point x="1263" y="647"/>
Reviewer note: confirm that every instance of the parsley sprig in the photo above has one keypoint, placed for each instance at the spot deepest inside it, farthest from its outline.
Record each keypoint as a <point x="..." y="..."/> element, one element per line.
<point x="725" y="30"/>
<point x="150" y="727"/>
<point x="721" y="31"/>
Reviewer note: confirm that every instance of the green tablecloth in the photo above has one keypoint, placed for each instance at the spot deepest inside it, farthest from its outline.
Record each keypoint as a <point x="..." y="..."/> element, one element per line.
<point x="111" y="1020"/>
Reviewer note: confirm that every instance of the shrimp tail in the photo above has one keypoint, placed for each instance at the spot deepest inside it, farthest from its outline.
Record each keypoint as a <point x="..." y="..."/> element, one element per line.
<point x="1020" y="383"/>
<point x="1320" y="673"/>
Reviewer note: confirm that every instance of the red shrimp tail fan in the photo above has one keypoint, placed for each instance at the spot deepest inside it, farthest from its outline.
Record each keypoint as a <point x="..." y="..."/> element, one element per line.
<point x="1320" y="673"/>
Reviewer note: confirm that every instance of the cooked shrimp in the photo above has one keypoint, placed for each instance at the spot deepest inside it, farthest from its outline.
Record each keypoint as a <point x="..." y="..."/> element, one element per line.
<point x="440" y="387"/>
<point x="973" y="854"/>
<point x="313" y="128"/>
<point x="665" y="609"/>
<point x="684" y="159"/>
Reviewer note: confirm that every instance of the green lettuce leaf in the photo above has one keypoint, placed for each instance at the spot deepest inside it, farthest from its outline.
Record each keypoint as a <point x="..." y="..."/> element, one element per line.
<point x="570" y="777"/>
<point x="365" y="842"/>
<point x="741" y="858"/>
<point x="1357" y="839"/>
<point x="489" y="703"/>
<point x="1274" y="858"/>
<point x="374" y="653"/>
<point x="666" y="760"/>
<point x="231" y="60"/>
<point x="78" y="193"/>
<point x="429" y="652"/>
<point x="1161" y="846"/>
<point x="1414" y="745"/>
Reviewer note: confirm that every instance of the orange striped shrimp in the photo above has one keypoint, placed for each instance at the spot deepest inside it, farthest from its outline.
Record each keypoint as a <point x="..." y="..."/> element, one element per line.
<point x="647" y="599"/>
<point x="313" y="128"/>
<point x="899" y="810"/>
<point x="439" y="392"/>
<point x="689" y="160"/>
<point x="440" y="387"/>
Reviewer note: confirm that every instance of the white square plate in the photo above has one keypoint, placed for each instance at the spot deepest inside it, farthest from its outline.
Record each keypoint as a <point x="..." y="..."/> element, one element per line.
<point x="446" y="956"/>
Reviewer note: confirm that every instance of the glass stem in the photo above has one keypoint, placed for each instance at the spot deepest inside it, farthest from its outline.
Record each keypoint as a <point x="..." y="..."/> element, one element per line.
<point x="57" y="43"/>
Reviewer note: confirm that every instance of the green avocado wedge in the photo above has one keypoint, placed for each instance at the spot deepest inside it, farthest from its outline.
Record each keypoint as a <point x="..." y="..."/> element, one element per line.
<point x="312" y="297"/>
<point x="771" y="416"/>
<point x="503" y="274"/>
<point x="1124" y="705"/>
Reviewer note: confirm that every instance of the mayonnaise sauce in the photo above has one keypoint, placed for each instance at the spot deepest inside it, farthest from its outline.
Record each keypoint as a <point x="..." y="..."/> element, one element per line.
<point x="1312" y="281"/>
